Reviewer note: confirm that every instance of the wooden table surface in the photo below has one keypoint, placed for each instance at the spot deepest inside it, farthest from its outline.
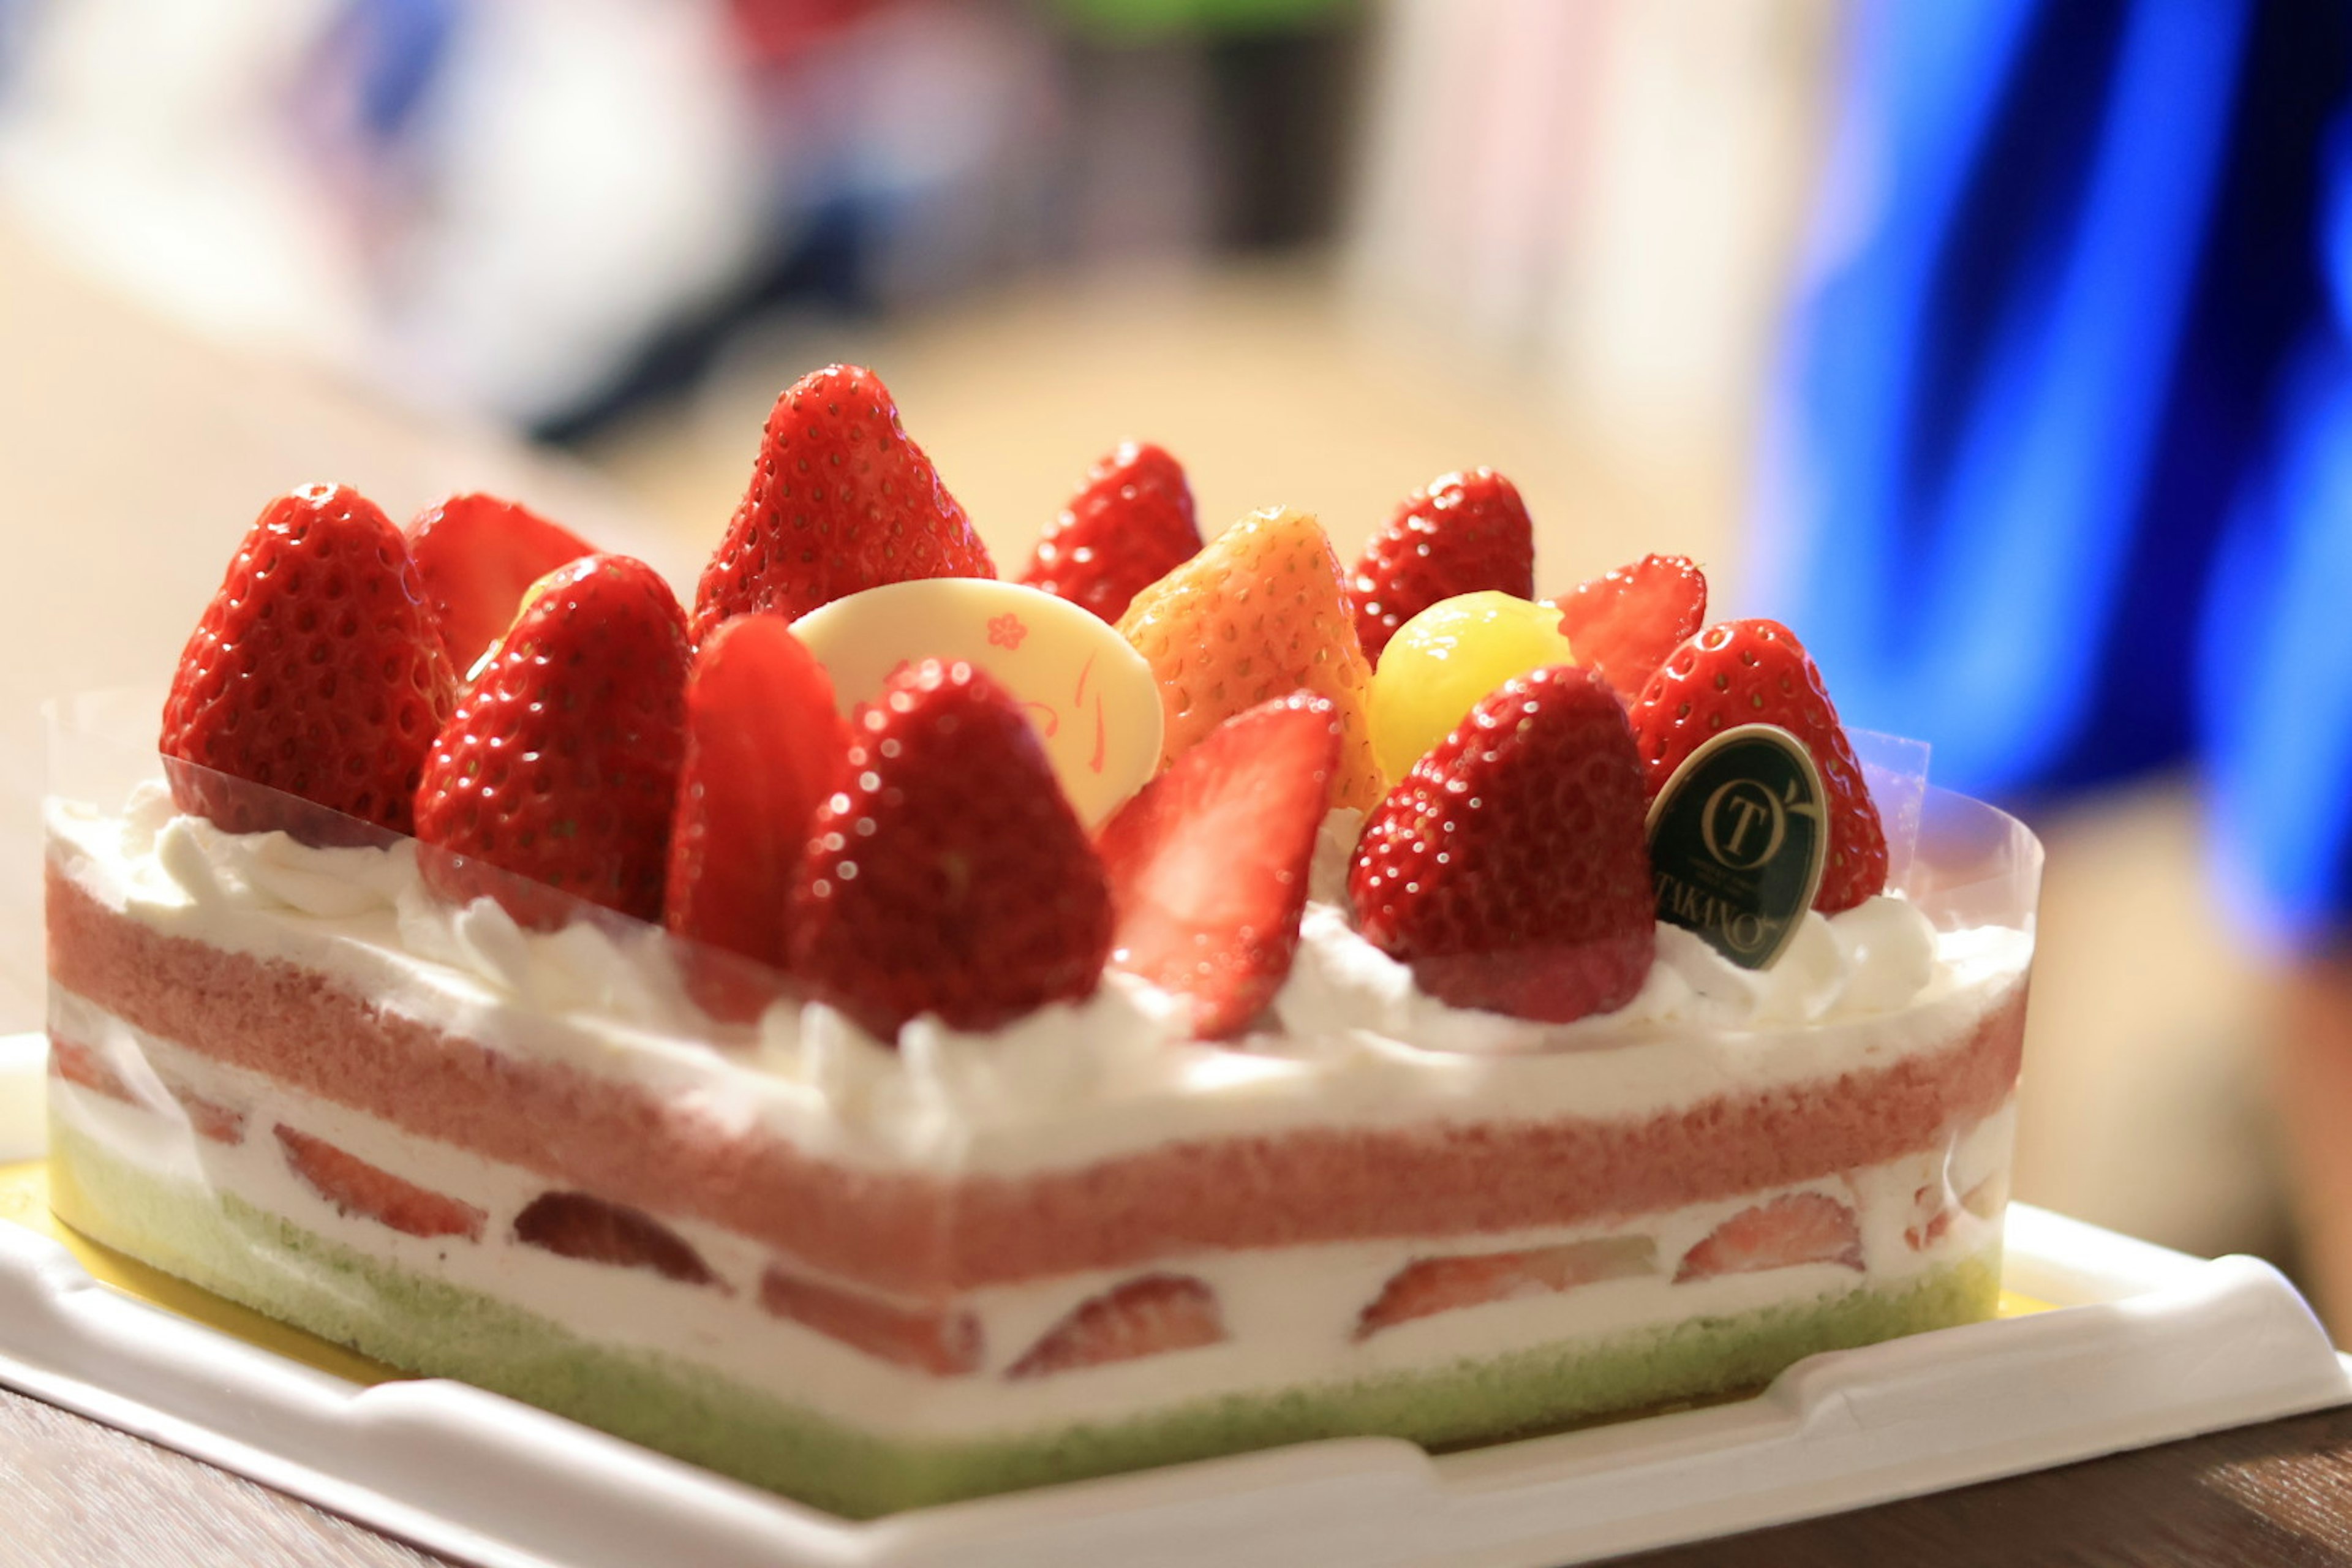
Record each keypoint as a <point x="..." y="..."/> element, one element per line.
<point x="74" y="1494"/>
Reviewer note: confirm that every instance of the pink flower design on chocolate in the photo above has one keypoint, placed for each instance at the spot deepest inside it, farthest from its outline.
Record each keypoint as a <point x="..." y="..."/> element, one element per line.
<point x="1005" y="631"/>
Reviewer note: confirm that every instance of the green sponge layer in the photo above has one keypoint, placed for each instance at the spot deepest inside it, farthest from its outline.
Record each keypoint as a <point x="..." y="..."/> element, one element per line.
<point x="406" y="1318"/>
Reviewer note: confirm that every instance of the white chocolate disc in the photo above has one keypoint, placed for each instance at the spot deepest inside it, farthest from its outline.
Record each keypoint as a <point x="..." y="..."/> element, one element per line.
<point x="1090" y="694"/>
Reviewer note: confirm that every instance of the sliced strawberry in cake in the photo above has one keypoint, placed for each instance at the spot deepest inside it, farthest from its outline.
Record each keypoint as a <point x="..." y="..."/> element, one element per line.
<point x="1793" y="1229"/>
<point x="575" y="1225"/>
<point x="77" y="1063"/>
<point x="357" y="1188"/>
<point x="1146" y="1317"/>
<point x="942" y="1341"/>
<point x="212" y="1121"/>
<point x="1429" y="1286"/>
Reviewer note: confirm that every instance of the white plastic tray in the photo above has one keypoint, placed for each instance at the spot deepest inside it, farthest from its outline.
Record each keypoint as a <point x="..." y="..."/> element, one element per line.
<point x="2148" y="1345"/>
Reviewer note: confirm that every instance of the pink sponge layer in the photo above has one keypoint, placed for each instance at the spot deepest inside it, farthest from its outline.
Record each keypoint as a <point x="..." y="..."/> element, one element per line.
<point x="929" y="1235"/>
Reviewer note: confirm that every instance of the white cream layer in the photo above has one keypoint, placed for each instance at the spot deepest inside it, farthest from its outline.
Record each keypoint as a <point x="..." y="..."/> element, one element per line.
<point x="1353" y="1045"/>
<point x="1289" y="1312"/>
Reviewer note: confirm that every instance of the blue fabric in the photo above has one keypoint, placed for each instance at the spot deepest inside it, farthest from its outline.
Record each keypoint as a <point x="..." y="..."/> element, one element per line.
<point x="2277" y="678"/>
<point x="398" y="47"/>
<point x="2062" y="432"/>
<point x="15" y="26"/>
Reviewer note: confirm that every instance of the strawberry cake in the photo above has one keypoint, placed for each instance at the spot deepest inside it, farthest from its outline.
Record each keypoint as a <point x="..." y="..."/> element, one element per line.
<point x="521" y="976"/>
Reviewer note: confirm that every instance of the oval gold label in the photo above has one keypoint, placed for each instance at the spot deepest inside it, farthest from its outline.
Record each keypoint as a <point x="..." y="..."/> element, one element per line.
<point x="1737" y="841"/>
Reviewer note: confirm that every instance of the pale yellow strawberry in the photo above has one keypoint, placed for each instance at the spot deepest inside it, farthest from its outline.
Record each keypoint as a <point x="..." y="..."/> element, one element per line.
<point x="1261" y="613"/>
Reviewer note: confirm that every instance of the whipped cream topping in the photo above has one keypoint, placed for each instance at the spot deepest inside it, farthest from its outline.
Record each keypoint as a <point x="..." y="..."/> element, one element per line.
<point x="1350" y="1040"/>
<point x="1868" y="960"/>
<point x="619" y="970"/>
<point x="1874" y="958"/>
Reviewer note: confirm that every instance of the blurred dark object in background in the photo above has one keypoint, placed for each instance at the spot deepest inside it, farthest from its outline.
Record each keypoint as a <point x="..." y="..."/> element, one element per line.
<point x="1154" y="141"/>
<point x="1282" y="119"/>
<point x="549" y="210"/>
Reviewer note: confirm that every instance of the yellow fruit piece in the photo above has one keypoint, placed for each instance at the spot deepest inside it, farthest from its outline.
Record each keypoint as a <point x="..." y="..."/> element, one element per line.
<point x="530" y="597"/>
<point x="1444" y="659"/>
<point x="1261" y="613"/>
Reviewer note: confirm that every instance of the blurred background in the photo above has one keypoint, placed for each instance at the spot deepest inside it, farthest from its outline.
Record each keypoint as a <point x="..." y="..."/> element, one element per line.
<point x="1997" y="346"/>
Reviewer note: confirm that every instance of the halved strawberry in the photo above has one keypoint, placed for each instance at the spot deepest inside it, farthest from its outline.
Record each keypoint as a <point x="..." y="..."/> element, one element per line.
<point x="1129" y="526"/>
<point x="1261" y="613"/>
<point x="371" y="1192"/>
<point x="1756" y="672"/>
<point x="948" y="875"/>
<point x="1793" y="1228"/>
<point x="945" y="1343"/>
<point x="1935" y="1208"/>
<point x="317" y="670"/>
<point x="574" y="1225"/>
<point x="1921" y="1236"/>
<point x="1428" y="1286"/>
<point x="79" y="1064"/>
<point x="213" y="1121"/>
<point x="82" y="1064"/>
<point x="1461" y="534"/>
<point x="1626" y="621"/>
<point x="1208" y="864"/>
<point x="764" y="746"/>
<point x="561" y="763"/>
<point x="1989" y="1197"/>
<point x="1931" y="1215"/>
<point x="475" y="555"/>
<point x="1146" y="1316"/>
<point x="1511" y="867"/>
<point x="840" y="500"/>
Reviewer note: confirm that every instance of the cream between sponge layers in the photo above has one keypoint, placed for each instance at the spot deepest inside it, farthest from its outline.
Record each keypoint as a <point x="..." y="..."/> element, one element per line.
<point x="680" y="1409"/>
<point x="1070" y="1085"/>
<point x="1289" y="1312"/>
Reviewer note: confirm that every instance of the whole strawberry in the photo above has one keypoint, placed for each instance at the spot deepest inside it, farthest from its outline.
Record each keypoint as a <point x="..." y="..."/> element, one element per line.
<point x="1260" y="613"/>
<point x="1208" y="863"/>
<point x="764" y="746"/>
<point x="1625" y="622"/>
<point x="475" y="555"/>
<point x="317" y="670"/>
<point x="840" y="500"/>
<point x="1511" y="868"/>
<point x="948" y="875"/>
<point x="561" y="762"/>
<point x="1127" y="528"/>
<point x="1756" y="672"/>
<point x="1462" y="535"/>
